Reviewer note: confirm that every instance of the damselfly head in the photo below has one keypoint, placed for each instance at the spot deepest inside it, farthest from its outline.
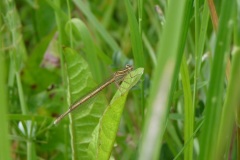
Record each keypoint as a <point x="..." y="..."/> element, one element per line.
<point x="129" y="67"/>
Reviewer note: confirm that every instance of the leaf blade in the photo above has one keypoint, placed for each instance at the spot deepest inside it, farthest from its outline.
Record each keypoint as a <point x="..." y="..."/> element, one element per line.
<point x="110" y="120"/>
<point x="84" y="121"/>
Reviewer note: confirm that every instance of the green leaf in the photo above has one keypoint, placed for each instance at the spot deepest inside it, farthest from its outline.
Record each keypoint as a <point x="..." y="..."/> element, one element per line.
<point x="84" y="120"/>
<point x="110" y="120"/>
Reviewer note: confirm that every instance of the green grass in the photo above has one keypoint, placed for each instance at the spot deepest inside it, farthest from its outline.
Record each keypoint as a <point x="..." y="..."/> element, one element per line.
<point x="185" y="105"/>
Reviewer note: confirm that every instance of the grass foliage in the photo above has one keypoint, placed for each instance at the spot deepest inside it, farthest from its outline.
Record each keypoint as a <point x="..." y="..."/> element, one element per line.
<point x="181" y="101"/>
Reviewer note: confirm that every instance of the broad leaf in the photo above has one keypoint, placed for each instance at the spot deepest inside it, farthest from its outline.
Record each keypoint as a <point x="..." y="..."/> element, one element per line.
<point x="91" y="138"/>
<point x="85" y="119"/>
<point x="105" y="134"/>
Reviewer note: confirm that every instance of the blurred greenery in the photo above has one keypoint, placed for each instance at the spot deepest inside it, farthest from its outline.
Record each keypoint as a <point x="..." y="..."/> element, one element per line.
<point x="185" y="105"/>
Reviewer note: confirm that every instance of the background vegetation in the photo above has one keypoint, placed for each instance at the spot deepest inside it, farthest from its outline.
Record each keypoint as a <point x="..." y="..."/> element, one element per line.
<point x="185" y="106"/>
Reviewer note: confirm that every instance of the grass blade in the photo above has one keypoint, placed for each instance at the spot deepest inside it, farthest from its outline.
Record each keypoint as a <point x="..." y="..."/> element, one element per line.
<point x="93" y="20"/>
<point x="188" y="111"/>
<point x="230" y="107"/>
<point x="4" y="137"/>
<point x="136" y="38"/>
<point x="215" y="91"/>
<point x="165" y="76"/>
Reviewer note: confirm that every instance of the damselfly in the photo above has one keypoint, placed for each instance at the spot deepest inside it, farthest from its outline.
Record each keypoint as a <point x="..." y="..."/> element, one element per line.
<point x="117" y="78"/>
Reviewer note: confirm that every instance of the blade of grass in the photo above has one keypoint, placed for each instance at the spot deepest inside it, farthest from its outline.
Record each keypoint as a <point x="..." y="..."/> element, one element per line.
<point x="200" y="47"/>
<point x="150" y="50"/>
<point x="237" y="43"/>
<point x="172" y="138"/>
<point x="63" y="41"/>
<point x="18" y="55"/>
<point x="165" y="75"/>
<point x="230" y="106"/>
<point x="137" y="47"/>
<point x="214" y="101"/>
<point x="61" y="20"/>
<point x="106" y="21"/>
<point x="194" y="133"/>
<point x="136" y="37"/>
<point x="213" y="13"/>
<point x="4" y="123"/>
<point x="93" y="20"/>
<point x="188" y="111"/>
<point x="140" y="9"/>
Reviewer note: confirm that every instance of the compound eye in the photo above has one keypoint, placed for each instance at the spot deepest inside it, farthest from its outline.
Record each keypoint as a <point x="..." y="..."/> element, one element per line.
<point x="129" y="67"/>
